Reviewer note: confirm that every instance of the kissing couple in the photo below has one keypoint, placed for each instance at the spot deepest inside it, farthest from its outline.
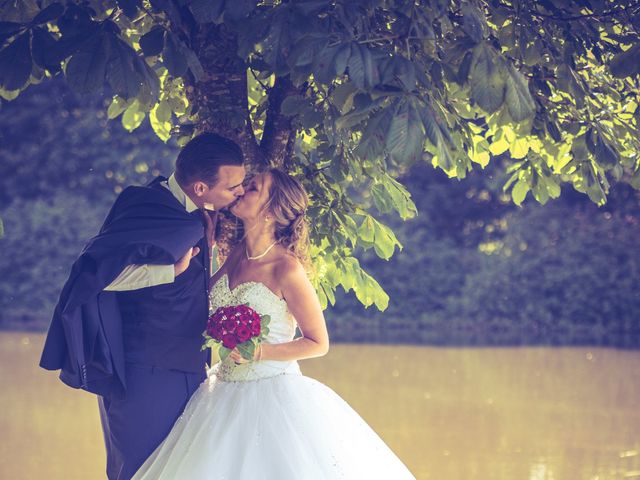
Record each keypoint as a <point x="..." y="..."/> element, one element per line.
<point x="129" y="326"/>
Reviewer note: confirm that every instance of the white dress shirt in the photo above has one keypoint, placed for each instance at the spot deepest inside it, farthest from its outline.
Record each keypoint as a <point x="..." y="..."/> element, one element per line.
<point x="134" y="277"/>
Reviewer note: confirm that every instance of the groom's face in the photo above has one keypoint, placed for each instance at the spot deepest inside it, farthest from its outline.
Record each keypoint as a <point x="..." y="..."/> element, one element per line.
<point x="228" y="188"/>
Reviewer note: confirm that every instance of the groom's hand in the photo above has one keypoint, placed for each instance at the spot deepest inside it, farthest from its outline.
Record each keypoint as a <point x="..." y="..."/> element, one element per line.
<point x="183" y="263"/>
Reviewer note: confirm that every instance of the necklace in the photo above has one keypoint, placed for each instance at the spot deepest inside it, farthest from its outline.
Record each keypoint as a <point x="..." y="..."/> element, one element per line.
<point x="262" y="254"/>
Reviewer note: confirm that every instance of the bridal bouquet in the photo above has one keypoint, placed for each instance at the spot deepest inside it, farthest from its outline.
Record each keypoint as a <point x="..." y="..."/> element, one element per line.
<point x="235" y="326"/>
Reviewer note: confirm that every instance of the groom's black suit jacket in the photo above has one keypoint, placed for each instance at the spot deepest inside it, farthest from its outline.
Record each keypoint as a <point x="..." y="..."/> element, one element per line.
<point x="146" y="225"/>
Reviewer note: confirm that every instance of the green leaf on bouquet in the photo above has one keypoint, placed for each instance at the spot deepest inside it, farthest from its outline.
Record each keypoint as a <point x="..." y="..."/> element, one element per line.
<point x="223" y="353"/>
<point x="264" y="320"/>
<point x="247" y="350"/>
<point x="209" y="343"/>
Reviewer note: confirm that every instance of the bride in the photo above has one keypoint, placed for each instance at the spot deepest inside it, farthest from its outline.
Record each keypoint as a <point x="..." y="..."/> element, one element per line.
<point x="263" y="419"/>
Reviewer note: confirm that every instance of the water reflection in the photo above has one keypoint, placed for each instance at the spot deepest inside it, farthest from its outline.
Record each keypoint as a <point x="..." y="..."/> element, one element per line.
<point x="449" y="413"/>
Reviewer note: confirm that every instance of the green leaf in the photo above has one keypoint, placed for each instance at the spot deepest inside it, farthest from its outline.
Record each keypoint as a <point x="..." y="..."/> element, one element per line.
<point x="519" y="191"/>
<point x="369" y="292"/>
<point x="247" y="349"/>
<point x="207" y="11"/>
<point x="341" y="59"/>
<point x="487" y="78"/>
<point x="381" y="198"/>
<point x="552" y="187"/>
<point x="323" y="66"/>
<point x="480" y="151"/>
<point x="371" y="143"/>
<point x="238" y="9"/>
<point x="223" y="353"/>
<point x="437" y="134"/>
<point x="473" y="22"/>
<point x="568" y="83"/>
<point x="362" y="69"/>
<point x="293" y="105"/>
<point x="174" y="55"/>
<point x="148" y="79"/>
<point x="86" y="70"/>
<point x="627" y="63"/>
<point x="385" y="241"/>
<point x="44" y="49"/>
<point x="117" y="106"/>
<point x="152" y="42"/>
<point x="401" y="198"/>
<point x="367" y="230"/>
<point x="405" y="137"/>
<point x="381" y="237"/>
<point x="9" y="94"/>
<point x="51" y="12"/>
<point x="277" y="40"/>
<point x="133" y="117"/>
<point x="343" y="95"/>
<point x="606" y="155"/>
<point x="15" y="63"/>
<point x="358" y="115"/>
<point x="160" y="119"/>
<point x="519" y="101"/>
<point x="540" y="192"/>
<point x="121" y="73"/>
<point x="519" y="148"/>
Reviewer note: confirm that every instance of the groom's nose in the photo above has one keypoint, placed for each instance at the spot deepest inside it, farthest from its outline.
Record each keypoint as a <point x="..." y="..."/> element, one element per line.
<point x="239" y="191"/>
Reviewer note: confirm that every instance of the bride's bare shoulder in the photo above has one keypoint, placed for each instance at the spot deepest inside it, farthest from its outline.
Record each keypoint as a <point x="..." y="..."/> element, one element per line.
<point x="287" y="266"/>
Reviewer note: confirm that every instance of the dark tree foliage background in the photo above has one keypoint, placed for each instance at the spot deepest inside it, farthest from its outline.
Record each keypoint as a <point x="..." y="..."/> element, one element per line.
<point x="475" y="269"/>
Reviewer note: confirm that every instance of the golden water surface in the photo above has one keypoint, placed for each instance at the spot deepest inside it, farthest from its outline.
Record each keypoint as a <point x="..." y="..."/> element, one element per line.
<point x="449" y="413"/>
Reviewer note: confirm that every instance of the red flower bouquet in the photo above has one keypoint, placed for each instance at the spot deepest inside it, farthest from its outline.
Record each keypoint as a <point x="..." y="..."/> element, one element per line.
<point x="235" y="326"/>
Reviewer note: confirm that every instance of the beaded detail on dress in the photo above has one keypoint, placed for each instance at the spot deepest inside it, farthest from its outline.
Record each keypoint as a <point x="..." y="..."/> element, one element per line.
<point x="282" y="328"/>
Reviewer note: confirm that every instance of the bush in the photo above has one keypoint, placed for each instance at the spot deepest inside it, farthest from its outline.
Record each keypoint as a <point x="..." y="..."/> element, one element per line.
<point x="41" y="242"/>
<point x="562" y="275"/>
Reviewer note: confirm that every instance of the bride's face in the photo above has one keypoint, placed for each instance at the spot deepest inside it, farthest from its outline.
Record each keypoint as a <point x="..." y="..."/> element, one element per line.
<point x="256" y="195"/>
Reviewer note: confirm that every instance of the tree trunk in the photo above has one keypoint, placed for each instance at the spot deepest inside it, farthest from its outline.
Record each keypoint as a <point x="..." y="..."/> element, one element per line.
<point x="220" y="98"/>
<point x="220" y="104"/>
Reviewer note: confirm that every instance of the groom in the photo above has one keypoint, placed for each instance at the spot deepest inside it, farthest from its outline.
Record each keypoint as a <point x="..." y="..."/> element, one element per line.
<point x="129" y="320"/>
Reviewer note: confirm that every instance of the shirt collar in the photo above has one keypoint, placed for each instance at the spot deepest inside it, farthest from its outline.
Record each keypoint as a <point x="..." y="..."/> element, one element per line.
<point x="182" y="197"/>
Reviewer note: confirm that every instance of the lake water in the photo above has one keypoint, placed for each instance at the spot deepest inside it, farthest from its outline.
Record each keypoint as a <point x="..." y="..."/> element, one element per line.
<point x="449" y="413"/>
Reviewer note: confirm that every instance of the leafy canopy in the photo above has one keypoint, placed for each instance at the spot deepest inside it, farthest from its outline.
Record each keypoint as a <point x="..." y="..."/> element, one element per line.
<point x="549" y="89"/>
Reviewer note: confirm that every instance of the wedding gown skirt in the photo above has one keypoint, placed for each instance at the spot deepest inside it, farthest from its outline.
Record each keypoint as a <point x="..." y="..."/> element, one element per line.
<point x="266" y="421"/>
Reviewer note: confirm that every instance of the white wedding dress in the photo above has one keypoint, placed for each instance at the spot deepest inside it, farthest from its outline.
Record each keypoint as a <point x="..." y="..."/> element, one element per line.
<point x="266" y="421"/>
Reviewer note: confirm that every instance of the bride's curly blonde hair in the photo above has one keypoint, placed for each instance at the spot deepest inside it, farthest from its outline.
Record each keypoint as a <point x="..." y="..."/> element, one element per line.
<point x="288" y="202"/>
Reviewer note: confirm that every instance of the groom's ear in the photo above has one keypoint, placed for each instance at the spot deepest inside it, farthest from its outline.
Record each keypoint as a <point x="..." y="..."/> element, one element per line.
<point x="199" y="188"/>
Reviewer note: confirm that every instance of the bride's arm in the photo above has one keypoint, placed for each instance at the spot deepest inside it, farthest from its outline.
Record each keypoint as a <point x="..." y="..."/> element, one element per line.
<point x="303" y="303"/>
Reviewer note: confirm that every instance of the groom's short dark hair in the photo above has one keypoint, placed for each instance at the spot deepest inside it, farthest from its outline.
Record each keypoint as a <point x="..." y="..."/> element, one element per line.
<point x="201" y="158"/>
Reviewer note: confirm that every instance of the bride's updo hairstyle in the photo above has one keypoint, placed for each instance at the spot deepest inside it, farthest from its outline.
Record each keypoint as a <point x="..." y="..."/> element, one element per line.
<point x="288" y="203"/>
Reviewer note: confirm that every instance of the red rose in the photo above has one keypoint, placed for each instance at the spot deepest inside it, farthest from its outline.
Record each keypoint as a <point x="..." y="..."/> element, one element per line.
<point x="229" y="325"/>
<point x="255" y="329"/>
<point x="243" y="333"/>
<point x="216" y="332"/>
<point x="229" y="341"/>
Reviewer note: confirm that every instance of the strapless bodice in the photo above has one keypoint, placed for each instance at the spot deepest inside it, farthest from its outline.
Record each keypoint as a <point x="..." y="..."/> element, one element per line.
<point x="282" y="328"/>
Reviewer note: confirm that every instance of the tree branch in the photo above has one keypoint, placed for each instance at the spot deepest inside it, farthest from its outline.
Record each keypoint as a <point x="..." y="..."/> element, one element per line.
<point x="277" y="127"/>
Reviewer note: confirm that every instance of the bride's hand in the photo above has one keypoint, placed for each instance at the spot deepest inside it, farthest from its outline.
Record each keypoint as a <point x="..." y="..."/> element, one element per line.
<point x="239" y="359"/>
